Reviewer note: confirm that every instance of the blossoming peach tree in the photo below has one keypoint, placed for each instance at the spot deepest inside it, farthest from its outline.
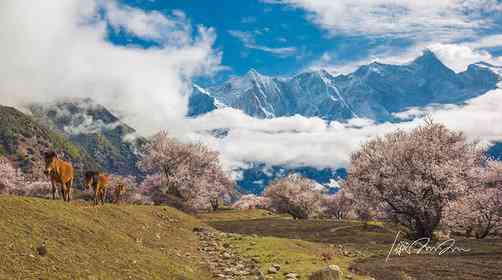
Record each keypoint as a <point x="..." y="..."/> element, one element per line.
<point x="189" y="172"/>
<point x="478" y="213"/>
<point x="14" y="182"/>
<point x="411" y="177"/>
<point x="251" y="201"/>
<point x="295" y="195"/>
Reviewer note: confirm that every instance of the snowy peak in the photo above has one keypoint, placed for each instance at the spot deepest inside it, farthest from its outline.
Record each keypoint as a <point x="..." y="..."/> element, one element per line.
<point x="373" y="91"/>
<point x="253" y="74"/>
<point x="484" y="65"/>
<point x="427" y="58"/>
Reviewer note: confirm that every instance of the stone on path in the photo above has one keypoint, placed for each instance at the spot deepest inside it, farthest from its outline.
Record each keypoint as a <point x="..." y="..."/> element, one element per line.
<point x="332" y="272"/>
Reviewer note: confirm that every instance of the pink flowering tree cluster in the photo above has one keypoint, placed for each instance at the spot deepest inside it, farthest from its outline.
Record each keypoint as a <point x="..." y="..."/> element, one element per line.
<point x="251" y="201"/>
<point x="338" y="206"/>
<point x="479" y="212"/>
<point x="14" y="182"/>
<point x="124" y="189"/>
<point x="189" y="172"/>
<point x="11" y="180"/>
<point x="295" y="195"/>
<point x="411" y="177"/>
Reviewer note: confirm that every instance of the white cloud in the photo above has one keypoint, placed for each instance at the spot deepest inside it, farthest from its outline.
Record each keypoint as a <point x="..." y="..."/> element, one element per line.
<point x="455" y="56"/>
<point x="249" y="42"/>
<point x="55" y="49"/>
<point x="409" y="18"/>
<point x="174" y="30"/>
<point x="300" y="141"/>
<point x="458" y="57"/>
<point x="486" y="42"/>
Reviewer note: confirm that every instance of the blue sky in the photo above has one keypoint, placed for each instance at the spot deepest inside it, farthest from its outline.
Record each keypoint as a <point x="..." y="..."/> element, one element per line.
<point x="285" y="37"/>
<point x="272" y="39"/>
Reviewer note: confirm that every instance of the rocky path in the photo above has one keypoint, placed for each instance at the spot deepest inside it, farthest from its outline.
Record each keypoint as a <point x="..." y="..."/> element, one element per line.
<point x="222" y="261"/>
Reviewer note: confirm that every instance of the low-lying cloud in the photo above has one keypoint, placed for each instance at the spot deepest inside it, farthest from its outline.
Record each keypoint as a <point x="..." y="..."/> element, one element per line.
<point x="300" y="141"/>
<point x="55" y="49"/>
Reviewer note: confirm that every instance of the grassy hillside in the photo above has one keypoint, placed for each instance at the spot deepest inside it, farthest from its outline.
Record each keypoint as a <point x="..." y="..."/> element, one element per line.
<point x="24" y="140"/>
<point x="85" y="242"/>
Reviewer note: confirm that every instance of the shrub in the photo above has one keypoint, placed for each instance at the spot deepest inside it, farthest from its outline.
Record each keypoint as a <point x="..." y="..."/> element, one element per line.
<point x="295" y="195"/>
<point x="337" y="206"/>
<point x="251" y="201"/>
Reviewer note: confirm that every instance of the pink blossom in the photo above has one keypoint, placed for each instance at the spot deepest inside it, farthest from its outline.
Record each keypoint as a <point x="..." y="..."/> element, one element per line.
<point x="337" y="206"/>
<point x="479" y="211"/>
<point x="11" y="180"/>
<point x="189" y="172"/>
<point x="410" y="177"/>
<point x="295" y="195"/>
<point x="251" y="201"/>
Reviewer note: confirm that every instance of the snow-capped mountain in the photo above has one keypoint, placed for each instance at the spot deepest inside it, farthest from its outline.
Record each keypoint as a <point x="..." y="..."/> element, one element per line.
<point x="201" y="102"/>
<point x="373" y="91"/>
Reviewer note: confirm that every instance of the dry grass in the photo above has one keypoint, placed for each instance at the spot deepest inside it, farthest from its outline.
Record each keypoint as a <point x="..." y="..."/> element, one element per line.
<point x="148" y="242"/>
<point x="302" y="243"/>
<point x="86" y="242"/>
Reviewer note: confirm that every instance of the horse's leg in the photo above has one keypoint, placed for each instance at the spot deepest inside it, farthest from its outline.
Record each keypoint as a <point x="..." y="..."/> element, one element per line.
<point x="69" y="186"/>
<point x="96" y="193"/>
<point x="53" y="185"/>
<point x="103" y="193"/>
<point x="63" y="193"/>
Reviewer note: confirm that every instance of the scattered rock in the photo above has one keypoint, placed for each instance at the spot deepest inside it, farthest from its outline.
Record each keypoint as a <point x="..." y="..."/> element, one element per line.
<point x="42" y="249"/>
<point x="259" y="275"/>
<point x="221" y="260"/>
<point x="199" y="229"/>
<point x="272" y="270"/>
<point x="331" y="272"/>
<point x="291" y="276"/>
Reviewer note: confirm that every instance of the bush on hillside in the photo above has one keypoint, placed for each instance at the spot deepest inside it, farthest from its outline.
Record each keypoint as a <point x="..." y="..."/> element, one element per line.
<point x="295" y="195"/>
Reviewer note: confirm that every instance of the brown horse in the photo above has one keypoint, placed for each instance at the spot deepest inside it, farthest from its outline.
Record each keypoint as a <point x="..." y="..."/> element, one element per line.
<point x="99" y="182"/>
<point x="59" y="172"/>
<point x="118" y="193"/>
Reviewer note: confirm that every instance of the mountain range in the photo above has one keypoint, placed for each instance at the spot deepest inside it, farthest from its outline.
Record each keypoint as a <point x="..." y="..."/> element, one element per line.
<point x="373" y="91"/>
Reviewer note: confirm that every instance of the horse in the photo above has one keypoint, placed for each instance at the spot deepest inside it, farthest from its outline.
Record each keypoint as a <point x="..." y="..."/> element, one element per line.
<point x="118" y="192"/>
<point x="99" y="182"/>
<point x="59" y="172"/>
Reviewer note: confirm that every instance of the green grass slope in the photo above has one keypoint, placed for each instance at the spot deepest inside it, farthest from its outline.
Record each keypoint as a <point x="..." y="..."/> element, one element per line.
<point x="87" y="242"/>
<point x="24" y="140"/>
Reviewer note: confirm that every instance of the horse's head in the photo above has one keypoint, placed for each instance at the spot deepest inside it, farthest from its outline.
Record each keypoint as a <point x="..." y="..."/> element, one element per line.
<point x="50" y="162"/>
<point x="89" y="178"/>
